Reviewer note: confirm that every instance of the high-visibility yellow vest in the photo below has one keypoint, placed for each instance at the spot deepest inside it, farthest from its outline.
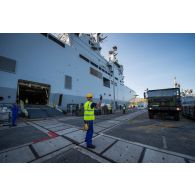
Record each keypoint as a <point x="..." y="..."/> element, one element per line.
<point x="88" y="112"/>
<point x="26" y="101"/>
<point x="109" y="107"/>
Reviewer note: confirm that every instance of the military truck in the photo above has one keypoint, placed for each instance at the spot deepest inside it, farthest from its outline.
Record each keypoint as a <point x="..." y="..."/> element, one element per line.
<point x="164" y="102"/>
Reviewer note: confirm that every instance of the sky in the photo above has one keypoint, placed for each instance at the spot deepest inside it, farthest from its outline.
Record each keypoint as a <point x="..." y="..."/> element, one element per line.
<point x="153" y="60"/>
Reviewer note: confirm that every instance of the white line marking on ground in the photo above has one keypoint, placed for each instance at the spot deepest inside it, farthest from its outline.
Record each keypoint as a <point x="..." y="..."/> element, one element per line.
<point x="152" y="147"/>
<point x="164" y="142"/>
<point x="91" y="154"/>
<point x="38" y="127"/>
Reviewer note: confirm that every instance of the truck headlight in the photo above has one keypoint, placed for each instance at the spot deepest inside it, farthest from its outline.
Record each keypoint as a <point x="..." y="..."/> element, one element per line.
<point x="150" y="108"/>
<point x="178" y="109"/>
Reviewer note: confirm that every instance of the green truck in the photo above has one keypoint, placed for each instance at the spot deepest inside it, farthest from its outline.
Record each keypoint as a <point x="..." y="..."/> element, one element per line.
<point x="164" y="102"/>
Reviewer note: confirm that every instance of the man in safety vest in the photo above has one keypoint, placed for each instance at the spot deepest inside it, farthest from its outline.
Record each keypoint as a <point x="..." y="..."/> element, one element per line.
<point x="89" y="117"/>
<point x="124" y="108"/>
<point x="110" y="108"/>
<point x="26" y="101"/>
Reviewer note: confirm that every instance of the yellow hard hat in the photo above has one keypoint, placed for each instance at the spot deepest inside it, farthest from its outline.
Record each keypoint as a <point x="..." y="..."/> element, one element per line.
<point x="89" y="95"/>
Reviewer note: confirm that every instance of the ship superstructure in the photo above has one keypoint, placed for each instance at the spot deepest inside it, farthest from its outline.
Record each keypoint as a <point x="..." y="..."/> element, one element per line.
<point x="59" y="69"/>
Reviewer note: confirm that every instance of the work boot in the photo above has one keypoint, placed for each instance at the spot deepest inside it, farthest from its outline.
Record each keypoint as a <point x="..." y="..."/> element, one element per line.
<point x="91" y="146"/>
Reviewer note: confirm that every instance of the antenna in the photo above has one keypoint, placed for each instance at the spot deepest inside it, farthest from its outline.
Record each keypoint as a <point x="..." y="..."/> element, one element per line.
<point x="174" y="82"/>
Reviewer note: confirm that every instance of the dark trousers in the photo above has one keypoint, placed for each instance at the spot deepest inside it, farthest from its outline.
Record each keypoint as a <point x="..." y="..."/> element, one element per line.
<point x="89" y="134"/>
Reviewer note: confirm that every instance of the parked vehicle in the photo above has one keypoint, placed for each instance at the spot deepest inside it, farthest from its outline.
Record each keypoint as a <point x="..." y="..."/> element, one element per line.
<point x="188" y="106"/>
<point x="164" y="102"/>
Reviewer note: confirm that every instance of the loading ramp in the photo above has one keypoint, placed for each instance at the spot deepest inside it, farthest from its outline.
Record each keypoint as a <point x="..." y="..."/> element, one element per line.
<point x="42" y="112"/>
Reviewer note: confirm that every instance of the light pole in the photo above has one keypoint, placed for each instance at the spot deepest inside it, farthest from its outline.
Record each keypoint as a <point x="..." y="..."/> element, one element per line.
<point x="114" y="106"/>
<point x="112" y="58"/>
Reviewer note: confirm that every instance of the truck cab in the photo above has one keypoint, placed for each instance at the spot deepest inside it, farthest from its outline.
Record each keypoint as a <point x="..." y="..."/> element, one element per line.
<point x="164" y="102"/>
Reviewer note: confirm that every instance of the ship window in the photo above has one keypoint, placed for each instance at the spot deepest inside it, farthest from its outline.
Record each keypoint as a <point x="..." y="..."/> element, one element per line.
<point x="7" y="65"/>
<point x="106" y="82"/>
<point x="56" y="40"/>
<point x="84" y="58"/>
<point x="95" y="73"/>
<point x="68" y="82"/>
<point x="94" y="64"/>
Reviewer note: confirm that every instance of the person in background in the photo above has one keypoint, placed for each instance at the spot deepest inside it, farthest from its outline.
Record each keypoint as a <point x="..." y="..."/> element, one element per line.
<point x="89" y="117"/>
<point x="26" y="101"/>
<point x="14" y="114"/>
<point x="124" y="109"/>
<point x="110" y="108"/>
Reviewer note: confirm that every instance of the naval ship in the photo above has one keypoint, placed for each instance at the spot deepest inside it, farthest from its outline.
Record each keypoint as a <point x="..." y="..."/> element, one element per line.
<point x="60" y="69"/>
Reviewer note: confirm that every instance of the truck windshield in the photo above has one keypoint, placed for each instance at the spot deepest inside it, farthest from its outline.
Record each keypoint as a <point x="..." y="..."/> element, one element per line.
<point x="163" y="93"/>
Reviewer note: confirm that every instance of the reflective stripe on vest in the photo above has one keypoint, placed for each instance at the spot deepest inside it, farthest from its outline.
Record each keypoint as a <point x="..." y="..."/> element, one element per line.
<point x="88" y="112"/>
